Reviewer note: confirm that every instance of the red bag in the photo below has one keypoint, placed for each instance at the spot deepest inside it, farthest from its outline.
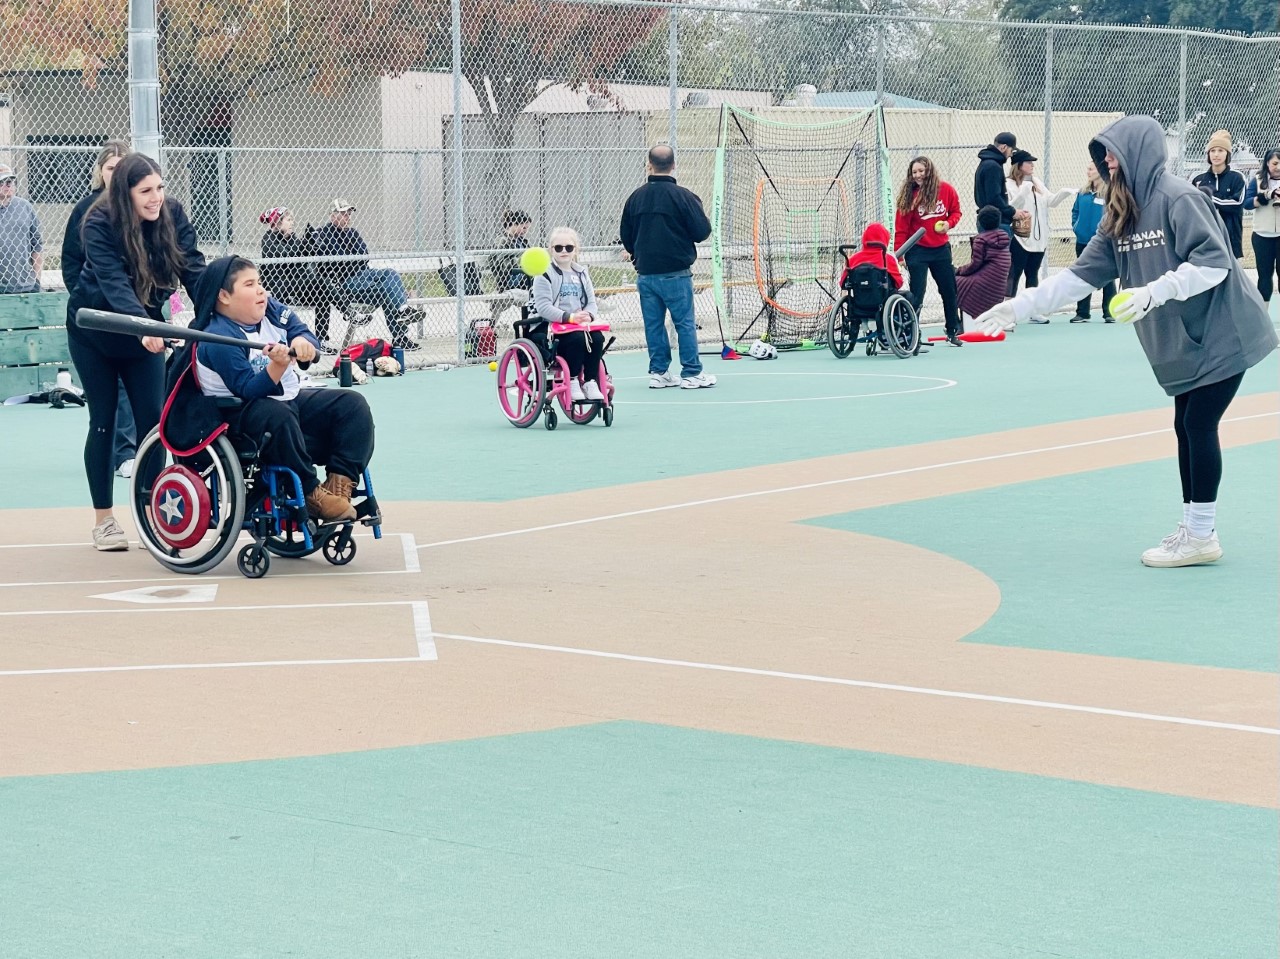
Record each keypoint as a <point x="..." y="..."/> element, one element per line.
<point x="362" y="353"/>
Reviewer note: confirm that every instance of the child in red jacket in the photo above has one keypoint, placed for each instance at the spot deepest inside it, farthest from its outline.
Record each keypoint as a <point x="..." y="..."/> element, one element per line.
<point x="875" y="250"/>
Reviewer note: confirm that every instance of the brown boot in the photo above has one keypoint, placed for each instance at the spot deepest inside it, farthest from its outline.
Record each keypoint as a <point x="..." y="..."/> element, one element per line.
<point x="323" y="504"/>
<point x="339" y="485"/>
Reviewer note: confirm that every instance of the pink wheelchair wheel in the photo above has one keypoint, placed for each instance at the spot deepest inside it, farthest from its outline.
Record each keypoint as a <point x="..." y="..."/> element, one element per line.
<point x="579" y="413"/>
<point x="522" y="383"/>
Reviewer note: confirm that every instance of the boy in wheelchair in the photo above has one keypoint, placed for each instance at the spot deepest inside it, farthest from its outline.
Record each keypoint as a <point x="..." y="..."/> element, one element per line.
<point x="871" y="276"/>
<point x="304" y="426"/>
<point x="565" y="294"/>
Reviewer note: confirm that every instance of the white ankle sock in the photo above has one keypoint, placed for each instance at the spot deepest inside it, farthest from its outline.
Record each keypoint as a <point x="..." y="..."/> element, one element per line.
<point x="1186" y="514"/>
<point x="1200" y="517"/>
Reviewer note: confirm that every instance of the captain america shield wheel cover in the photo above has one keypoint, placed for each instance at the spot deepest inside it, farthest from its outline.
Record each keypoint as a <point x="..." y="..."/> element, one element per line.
<point x="180" y="507"/>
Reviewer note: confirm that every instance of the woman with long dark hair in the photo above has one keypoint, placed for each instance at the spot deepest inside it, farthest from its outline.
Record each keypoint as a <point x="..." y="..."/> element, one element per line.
<point x="139" y="247"/>
<point x="926" y="200"/>
<point x="1200" y="320"/>
<point x="1263" y="199"/>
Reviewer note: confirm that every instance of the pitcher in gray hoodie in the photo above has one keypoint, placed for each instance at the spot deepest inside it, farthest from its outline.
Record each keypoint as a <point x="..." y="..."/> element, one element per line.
<point x="1202" y="322"/>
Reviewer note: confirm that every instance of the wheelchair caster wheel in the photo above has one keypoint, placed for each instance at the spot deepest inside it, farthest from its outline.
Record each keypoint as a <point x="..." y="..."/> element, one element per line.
<point x="549" y="421"/>
<point x="608" y="416"/>
<point x="340" y="549"/>
<point x="253" y="561"/>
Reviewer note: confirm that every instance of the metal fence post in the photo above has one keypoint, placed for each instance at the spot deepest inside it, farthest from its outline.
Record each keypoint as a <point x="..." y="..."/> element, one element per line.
<point x="1180" y="169"/>
<point x="460" y="189"/>
<point x="673" y="68"/>
<point x="880" y="57"/>
<point x="224" y="208"/>
<point x="417" y="200"/>
<point x="144" y="79"/>
<point x="1048" y="103"/>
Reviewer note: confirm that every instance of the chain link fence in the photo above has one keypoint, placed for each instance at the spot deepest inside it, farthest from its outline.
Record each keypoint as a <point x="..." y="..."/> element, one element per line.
<point x="458" y="144"/>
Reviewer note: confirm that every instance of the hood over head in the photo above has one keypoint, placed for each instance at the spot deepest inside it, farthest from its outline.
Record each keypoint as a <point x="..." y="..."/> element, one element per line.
<point x="875" y="235"/>
<point x="206" y="292"/>
<point x="1138" y="143"/>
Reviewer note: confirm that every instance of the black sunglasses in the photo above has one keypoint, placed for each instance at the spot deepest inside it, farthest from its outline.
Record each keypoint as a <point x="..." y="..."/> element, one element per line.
<point x="564" y="248"/>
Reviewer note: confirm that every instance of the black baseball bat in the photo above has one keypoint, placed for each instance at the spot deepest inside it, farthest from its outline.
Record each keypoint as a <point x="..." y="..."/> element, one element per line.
<point x="141" y="326"/>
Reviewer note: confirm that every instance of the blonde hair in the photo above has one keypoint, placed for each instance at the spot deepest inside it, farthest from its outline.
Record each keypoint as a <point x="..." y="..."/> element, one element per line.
<point x="110" y="150"/>
<point x="568" y="233"/>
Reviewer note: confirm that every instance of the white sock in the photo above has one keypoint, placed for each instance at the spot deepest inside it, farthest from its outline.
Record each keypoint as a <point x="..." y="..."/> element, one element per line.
<point x="1186" y="514"/>
<point x="1200" y="517"/>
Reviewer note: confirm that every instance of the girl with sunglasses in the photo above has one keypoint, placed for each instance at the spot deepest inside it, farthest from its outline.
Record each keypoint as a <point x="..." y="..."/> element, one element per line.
<point x="564" y="294"/>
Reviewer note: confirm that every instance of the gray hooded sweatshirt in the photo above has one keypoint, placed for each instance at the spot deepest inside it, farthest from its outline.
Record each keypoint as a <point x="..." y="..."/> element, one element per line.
<point x="1210" y="336"/>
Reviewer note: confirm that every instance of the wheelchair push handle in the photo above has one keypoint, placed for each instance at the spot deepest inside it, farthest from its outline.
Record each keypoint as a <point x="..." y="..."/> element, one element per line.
<point x="845" y="249"/>
<point x="141" y="326"/>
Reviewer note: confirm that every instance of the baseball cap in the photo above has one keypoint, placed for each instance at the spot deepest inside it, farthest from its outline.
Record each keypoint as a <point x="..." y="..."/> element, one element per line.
<point x="342" y="205"/>
<point x="6" y="173"/>
<point x="1022" y="156"/>
<point x="1008" y="139"/>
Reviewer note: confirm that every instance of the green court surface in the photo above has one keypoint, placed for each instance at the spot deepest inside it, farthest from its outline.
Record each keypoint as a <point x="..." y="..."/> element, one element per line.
<point x="625" y="839"/>
<point x="441" y="435"/>
<point x="1069" y="574"/>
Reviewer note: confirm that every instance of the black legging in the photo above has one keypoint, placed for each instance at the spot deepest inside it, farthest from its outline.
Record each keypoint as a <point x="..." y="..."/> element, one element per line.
<point x="1267" y="251"/>
<point x="1108" y="291"/>
<point x="1196" y="415"/>
<point x="100" y="373"/>
<point x="924" y="260"/>
<point x="1023" y="262"/>
<point x="573" y="348"/>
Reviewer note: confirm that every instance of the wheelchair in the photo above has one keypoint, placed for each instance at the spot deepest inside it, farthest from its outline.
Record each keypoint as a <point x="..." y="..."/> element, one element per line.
<point x="533" y="379"/>
<point x="191" y="506"/>
<point x="870" y="300"/>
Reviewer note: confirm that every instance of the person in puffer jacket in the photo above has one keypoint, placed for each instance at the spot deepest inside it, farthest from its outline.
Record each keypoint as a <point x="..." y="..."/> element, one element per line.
<point x="983" y="280"/>
<point x="1263" y="198"/>
<point x="1225" y="187"/>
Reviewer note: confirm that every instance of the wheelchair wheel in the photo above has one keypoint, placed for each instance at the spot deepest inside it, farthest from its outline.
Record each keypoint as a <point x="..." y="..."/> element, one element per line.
<point x="842" y="330"/>
<point x="290" y="543"/>
<point x="550" y="420"/>
<point x="188" y="513"/>
<point x="253" y="561"/>
<point x="900" y="325"/>
<point x="522" y="383"/>
<point x="578" y="413"/>
<point x="339" y="546"/>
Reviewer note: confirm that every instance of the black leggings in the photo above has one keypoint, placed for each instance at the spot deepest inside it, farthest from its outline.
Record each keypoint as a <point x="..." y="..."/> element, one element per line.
<point x="1023" y="263"/>
<point x="573" y="347"/>
<point x="1196" y="414"/>
<point x="332" y="427"/>
<point x="101" y="374"/>
<point x="1083" y="308"/>
<point x="923" y="260"/>
<point x="1267" y="251"/>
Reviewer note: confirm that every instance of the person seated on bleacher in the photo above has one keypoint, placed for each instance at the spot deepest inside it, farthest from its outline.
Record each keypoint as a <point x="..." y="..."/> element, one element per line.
<point x="21" y="249"/>
<point x="507" y="274"/>
<point x="564" y="294"/>
<point x="356" y="280"/>
<point x="293" y="283"/>
<point x="306" y="426"/>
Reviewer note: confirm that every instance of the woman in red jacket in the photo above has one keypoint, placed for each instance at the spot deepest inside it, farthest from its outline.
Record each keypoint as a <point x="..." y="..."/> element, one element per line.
<point x="927" y="201"/>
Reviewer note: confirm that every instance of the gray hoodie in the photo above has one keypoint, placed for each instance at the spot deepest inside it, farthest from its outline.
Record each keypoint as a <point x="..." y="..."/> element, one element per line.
<point x="555" y="294"/>
<point x="1210" y="336"/>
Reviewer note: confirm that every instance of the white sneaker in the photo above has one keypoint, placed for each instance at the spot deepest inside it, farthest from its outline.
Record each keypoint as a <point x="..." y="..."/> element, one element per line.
<point x="660" y="381"/>
<point x="591" y="390"/>
<point x="108" y="537"/>
<point x="575" y="391"/>
<point x="125" y="469"/>
<point x="700" y="382"/>
<point x="1183" y="549"/>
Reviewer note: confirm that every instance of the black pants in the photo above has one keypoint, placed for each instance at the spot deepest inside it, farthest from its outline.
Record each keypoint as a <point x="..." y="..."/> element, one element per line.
<point x="923" y="260"/>
<point x="1267" y="251"/>
<point x="573" y="347"/>
<point x="1083" y="308"/>
<point x="1196" y="415"/>
<point x="1023" y="263"/>
<point x="331" y="427"/>
<point x="101" y="374"/>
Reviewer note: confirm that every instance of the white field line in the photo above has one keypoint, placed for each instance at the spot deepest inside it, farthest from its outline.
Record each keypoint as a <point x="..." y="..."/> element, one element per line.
<point x="422" y="630"/>
<point x="200" y="609"/>
<point x="928" y="467"/>
<point x="866" y="684"/>
<point x="154" y="667"/>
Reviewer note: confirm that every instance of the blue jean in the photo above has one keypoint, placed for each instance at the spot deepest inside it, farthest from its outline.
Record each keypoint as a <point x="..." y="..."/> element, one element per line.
<point x="126" y="442"/>
<point x="661" y="293"/>
<point x="382" y="288"/>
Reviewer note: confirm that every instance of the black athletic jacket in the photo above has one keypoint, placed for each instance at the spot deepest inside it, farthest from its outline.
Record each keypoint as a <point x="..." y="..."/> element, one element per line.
<point x="661" y="222"/>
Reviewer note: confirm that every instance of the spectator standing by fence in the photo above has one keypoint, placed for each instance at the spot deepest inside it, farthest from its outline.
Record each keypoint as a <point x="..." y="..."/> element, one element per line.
<point x="21" y="248"/>
<point x="989" y="188"/>
<point x="1225" y="187"/>
<point x="1263" y="199"/>
<point x="1086" y="214"/>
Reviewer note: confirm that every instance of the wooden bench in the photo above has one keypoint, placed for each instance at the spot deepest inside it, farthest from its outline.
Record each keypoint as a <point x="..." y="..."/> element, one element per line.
<point x="33" y="342"/>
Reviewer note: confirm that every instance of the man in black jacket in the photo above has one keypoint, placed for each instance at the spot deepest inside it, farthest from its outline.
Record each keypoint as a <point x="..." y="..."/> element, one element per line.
<point x="661" y="222"/>
<point x="988" y="181"/>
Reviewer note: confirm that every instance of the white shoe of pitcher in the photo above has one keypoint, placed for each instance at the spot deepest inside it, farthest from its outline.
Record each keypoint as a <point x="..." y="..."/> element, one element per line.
<point x="1183" y="549"/>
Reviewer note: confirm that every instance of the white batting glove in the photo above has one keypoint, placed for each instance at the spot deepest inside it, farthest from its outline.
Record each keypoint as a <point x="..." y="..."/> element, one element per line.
<point x="1138" y="304"/>
<point x="998" y="319"/>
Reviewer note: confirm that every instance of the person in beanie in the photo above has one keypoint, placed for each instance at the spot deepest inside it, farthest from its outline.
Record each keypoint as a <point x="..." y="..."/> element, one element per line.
<point x="988" y="180"/>
<point x="1263" y="199"/>
<point x="983" y="281"/>
<point x="1225" y="187"/>
<point x="927" y="201"/>
<point x="1200" y="320"/>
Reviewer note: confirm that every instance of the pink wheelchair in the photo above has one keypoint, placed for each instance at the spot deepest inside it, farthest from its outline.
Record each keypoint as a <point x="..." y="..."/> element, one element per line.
<point x="533" y="380"/>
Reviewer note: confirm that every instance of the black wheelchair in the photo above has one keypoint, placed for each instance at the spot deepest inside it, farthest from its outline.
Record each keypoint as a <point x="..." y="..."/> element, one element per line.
<point x="873" y="312"/>
<point x="191" y="506"/>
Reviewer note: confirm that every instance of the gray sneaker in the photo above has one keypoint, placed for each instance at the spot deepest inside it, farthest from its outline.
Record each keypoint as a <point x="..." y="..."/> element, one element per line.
<point x="700" y="382"/>
<point x="108" y="537"/>
<point x="660" y="381"/>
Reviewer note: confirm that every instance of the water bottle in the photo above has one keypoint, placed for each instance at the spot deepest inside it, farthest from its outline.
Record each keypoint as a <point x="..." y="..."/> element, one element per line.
<point x="63" y="379"/>
<point x="344" y="370"/>
<point x="368" y="368"/>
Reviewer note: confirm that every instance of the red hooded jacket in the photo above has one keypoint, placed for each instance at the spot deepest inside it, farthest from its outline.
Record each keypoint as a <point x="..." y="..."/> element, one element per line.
<point x="875" y="250"/>
<point x="946" y="210"/>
